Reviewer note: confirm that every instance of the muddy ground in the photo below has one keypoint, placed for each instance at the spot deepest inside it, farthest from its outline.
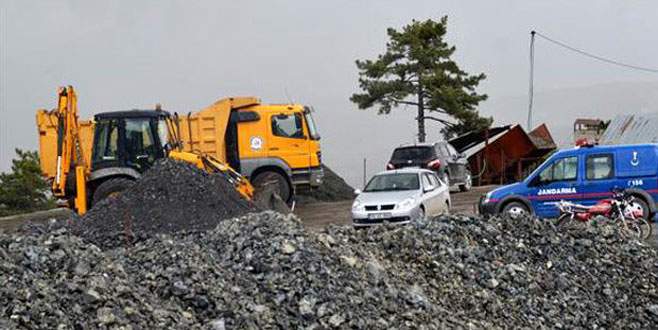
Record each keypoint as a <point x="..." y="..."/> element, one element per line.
<point x="319" y="215"/>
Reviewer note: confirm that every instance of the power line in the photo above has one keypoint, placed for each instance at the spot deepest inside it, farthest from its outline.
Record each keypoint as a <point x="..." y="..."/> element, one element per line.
<point x="531" y="92"/>
<point x="596" y="57"/>
<point x="573" y="49"/>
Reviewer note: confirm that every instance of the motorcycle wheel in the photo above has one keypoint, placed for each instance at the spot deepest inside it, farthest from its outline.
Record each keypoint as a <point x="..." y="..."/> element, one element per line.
<point x="564" y="221"/>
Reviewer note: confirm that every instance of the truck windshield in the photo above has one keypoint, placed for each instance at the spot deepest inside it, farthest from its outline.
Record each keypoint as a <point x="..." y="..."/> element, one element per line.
<point x="393" y="182"/>
<point x="310" y="123"/>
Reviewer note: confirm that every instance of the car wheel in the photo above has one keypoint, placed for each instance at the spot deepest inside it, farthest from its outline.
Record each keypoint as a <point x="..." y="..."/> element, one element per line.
<point x="515" y="210"/>
<point x="468" y="182"/>
<point x="422" y="216"/>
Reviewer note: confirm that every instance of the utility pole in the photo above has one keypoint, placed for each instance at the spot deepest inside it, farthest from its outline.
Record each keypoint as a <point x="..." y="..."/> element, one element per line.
<point x="532" y="78"/>
<point x="365" y="167"/>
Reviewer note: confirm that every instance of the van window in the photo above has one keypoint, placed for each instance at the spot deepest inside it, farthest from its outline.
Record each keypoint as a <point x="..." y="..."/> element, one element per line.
<point x="289" y="126"/>
<point x="599" y="167"/>
<point x="565" y="169"/>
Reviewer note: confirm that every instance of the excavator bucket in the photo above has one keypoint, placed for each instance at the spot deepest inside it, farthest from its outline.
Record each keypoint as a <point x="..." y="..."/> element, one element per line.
<point x="212" y="165"/>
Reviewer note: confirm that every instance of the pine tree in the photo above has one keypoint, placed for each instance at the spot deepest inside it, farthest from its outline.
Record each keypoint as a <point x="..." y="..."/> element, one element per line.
<point x="417" y="70"/>
<point x="24" y="189"/>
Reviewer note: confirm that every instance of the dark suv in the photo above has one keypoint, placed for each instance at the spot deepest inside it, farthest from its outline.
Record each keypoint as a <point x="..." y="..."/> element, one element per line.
<point x="439" y="157"/>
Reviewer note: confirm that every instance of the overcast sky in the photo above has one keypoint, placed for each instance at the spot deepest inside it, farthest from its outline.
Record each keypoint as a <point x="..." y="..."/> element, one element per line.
<point x="186" y="54"/>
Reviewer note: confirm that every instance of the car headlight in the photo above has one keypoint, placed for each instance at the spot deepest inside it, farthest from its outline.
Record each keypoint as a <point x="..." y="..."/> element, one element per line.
<point x="407" y="203"/>
<point x="357" y="206"/>
<point x="487" y="198"/>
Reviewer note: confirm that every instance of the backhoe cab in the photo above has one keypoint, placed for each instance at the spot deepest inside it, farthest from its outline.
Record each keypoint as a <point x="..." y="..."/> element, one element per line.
<point x="125" y="145"/>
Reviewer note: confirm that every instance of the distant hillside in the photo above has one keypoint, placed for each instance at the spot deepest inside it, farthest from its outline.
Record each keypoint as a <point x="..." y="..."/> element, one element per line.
<point x="560" y="107"/>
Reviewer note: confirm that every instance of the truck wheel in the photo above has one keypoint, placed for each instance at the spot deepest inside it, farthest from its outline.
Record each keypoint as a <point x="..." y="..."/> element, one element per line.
<point x="111" y="188"/>
<point x="468" y="182"/>
<point x="266" y="178"/>
<point x="515" y="210"/>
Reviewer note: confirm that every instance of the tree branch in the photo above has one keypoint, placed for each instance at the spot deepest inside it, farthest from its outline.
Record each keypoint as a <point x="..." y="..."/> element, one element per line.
<point x="442" y="121"/>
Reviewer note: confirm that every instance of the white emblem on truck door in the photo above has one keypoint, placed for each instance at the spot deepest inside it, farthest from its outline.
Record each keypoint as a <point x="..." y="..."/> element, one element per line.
<point x="636" y="160"/>
<point x="256" y="142"/>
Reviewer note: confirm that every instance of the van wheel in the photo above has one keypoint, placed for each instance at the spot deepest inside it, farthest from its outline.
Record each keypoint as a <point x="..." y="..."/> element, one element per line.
<point x="468" y="182"/>
<point x="515" y="210"/>
<point x="274" y="178"/>
<point x="110" y="189"/>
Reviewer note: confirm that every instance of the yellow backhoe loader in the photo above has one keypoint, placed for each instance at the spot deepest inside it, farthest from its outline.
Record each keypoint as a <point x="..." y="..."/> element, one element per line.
<point x="92" y="160"/>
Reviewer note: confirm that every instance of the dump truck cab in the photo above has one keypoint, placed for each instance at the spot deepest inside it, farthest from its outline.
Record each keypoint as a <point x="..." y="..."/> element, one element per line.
<point x="284" y="139"/>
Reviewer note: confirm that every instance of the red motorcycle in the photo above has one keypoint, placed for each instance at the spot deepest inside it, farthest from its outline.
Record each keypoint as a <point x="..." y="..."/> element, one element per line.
<point x="620" y="208"/>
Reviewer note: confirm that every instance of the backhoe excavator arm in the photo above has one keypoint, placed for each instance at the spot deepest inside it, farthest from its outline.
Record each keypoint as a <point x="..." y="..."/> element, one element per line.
<point x="69" y="150"/>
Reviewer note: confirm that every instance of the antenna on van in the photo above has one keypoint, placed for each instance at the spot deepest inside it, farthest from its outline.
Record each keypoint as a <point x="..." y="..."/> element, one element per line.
<point x="285" y="90"/>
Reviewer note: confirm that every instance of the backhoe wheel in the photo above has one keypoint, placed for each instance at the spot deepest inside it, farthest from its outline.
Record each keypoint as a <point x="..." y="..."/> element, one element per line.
<point x="111" y="188"/>
<point x="564" y="221"/>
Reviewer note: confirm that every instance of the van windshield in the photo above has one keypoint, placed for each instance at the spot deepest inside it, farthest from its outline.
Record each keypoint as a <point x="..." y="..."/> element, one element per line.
<point x="393" y="182"/>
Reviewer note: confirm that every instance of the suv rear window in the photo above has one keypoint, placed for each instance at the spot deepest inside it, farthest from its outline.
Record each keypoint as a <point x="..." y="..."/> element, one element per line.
<point x="413" y="153"/>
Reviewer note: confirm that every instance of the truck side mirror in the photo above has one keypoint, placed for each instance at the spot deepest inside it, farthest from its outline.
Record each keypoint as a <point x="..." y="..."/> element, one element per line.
<point x="357" y="191"/>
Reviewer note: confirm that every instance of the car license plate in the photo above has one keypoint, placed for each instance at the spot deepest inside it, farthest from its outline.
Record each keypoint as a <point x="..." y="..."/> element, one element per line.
<point x="375" y="216"/>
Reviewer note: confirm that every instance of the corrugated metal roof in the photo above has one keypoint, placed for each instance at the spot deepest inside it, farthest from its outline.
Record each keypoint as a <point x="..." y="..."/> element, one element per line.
<point x="542" y="138"/>
<point x="631" y="129"/>
<point x="588" y="121"/>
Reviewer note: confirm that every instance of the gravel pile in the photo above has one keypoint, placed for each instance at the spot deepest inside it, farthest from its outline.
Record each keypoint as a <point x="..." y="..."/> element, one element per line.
<point x="333" y="189"/>
<point x="171" y="197"/>
<point x="264" y="270"/>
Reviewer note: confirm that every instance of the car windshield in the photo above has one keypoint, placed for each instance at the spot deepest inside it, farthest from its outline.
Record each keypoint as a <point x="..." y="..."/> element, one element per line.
<point x="393" y="182"/>
<point x="412" y="153"/>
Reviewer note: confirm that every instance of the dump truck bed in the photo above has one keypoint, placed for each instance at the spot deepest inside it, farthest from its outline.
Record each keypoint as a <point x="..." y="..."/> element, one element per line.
<point x="204" y="131"/>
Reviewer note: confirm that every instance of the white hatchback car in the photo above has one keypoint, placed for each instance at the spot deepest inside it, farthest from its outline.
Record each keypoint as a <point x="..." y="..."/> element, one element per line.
<point x="400" y="196"/>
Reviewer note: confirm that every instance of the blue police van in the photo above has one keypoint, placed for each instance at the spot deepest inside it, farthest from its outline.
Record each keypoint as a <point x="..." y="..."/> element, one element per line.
<point x="583" y="175"/>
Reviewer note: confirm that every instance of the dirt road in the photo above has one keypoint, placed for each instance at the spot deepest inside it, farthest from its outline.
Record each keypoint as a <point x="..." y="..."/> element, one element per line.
<point x="319" y="215"/>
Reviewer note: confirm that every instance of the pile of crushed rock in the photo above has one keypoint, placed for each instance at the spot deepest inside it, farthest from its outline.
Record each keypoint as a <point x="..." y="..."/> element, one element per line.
<point x="172" y="196"/>
<point x="333" y="189"/>
<point x="263" y="270"/>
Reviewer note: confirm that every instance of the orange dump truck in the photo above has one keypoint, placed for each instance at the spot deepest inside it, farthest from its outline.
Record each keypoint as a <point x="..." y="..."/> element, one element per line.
<point x="264" y="142"/>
